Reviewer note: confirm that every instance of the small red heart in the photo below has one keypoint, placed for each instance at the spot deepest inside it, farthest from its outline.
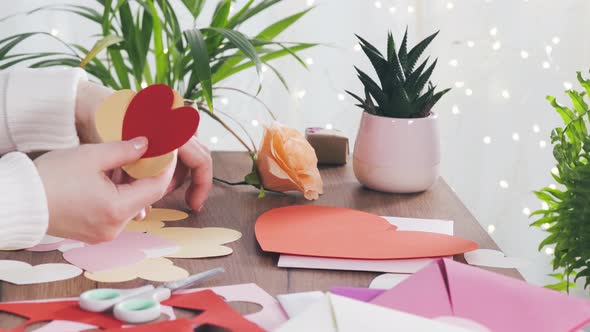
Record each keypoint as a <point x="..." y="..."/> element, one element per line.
<point x="150" y="114"/>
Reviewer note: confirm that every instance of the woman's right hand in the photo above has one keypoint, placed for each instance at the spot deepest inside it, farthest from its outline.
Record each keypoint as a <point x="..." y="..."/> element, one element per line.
<point x="84" y="203"/>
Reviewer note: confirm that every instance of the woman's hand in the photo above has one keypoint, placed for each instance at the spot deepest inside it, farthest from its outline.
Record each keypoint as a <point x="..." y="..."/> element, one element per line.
<point x="84" y="203"/>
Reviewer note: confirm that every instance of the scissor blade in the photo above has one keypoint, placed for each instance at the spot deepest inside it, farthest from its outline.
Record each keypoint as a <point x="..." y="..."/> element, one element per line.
<point x="194" y="279"/>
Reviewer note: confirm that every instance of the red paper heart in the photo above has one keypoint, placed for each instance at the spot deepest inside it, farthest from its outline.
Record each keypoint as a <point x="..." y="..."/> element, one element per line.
<point x="327" y="231"/>
<point x="150" y="114"/>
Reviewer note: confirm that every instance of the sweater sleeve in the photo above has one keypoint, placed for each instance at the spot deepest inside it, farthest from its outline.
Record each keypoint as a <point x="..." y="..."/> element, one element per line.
<point x="23" y="206"/>
<point x="37" y="109"/>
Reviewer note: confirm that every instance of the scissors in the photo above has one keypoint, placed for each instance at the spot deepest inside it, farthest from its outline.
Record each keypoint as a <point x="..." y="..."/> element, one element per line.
<point x="138" y="305"/>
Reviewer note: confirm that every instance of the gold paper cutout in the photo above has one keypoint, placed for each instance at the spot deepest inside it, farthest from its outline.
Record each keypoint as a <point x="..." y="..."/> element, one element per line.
<point x="152" y="269"/>
<point x="198" y="242"/>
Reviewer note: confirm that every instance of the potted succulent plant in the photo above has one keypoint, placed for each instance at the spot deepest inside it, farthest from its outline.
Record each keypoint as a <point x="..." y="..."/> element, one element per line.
<point x="397" y="148"/>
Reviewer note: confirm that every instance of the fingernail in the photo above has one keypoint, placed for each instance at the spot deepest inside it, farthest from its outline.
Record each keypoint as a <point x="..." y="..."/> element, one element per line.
<point x="141" y="215"/>
<point x="139" y="143"/>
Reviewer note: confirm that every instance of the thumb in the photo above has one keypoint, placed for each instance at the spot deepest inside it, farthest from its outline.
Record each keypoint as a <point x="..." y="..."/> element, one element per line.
<point x="116" y="154"/>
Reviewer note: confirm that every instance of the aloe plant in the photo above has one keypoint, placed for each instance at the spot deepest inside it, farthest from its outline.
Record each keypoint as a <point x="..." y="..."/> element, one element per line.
<point x="400" y="92"/>
<point x="145" y="44"/>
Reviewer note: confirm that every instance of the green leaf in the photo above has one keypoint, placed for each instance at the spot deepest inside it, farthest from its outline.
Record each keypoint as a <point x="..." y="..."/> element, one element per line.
<point x="417" y="50"/>
<point x="201" y="68"/>
<point x="403" y="53"/>
<point x="278" y="27"/>
<point x="161" y="58"/>
<point x="194" y="7"/>
<point x="98" y="47"/>
<point x="242" y="42"/>
<point x="225" y="73"/>
<point x="221" y="14"/>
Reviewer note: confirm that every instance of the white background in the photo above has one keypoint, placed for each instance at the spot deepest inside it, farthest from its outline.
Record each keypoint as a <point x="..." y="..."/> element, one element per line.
<point x="502" y="57"/>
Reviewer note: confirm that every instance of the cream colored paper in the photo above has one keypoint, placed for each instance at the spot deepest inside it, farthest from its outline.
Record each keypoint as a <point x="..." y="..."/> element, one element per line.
<point x="493" y="258"/>
<point x="153" y="269"/>
<point x="155" y="219"/>
<point x="22" y="273"/>
<point x="198" y="242"/>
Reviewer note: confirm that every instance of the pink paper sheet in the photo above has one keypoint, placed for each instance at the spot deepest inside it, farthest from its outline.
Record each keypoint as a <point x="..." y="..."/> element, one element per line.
<point x="500" y="303"/>
<point x="127" y="249"/>
<point x="382" y="265"/>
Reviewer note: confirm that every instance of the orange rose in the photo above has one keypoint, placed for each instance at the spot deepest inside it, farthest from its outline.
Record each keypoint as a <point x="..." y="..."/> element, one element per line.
<point x="286" y="162"/>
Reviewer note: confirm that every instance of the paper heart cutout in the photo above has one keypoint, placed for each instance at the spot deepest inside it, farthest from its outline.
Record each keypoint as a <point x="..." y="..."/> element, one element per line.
<point x="22" y="273"/>
<point x="344" y="233"/>
<point x="493" y="258"/>
<point x="151" y="114"/>
<point x="155" y="219"/>
<point x="153" y="269"/>
<point x="108" y="256"/>
<point x="198" y="242"/>
<point x="109" y="124"/>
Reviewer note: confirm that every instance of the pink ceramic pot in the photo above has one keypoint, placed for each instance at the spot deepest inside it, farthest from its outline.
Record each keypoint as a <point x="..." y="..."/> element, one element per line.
<point x="397" y="155"/>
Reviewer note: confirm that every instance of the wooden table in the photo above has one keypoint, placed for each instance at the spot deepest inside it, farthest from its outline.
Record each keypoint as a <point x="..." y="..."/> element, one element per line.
<point x="238" y="208"/>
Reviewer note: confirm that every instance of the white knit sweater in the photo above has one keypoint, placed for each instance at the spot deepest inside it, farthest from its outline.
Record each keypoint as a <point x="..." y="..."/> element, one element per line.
<point x="36" y="114"/>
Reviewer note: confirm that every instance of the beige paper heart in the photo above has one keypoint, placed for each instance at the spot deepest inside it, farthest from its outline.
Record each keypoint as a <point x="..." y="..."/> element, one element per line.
<point x="22" y="273"/>
<point x="155" y="219"/>
<point x="153" y="269"/>
<point x="198" y="242"/>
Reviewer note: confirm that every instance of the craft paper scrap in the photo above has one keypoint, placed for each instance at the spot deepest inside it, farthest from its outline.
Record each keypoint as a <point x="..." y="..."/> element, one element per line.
<point x="128" y="248"/>
<point x="67" y="326"/>
<point x="212" y="311"/>
<point x="198" y="242"/>
<point x="155" y="219"/>
<point x="388" y="280"/>
<point x="381" y="265"/>
<point x="334" y="313"/>
<point x="152" y="269"/>
<point x="216" y="311"/>
<point x="353" y="316"/>
<point x="22" y="273"/>
<point x="48" y="239"/>
<point x="270" y="317"/>
<point x="61" y="245"/>
<point x="493" y="258"/>
<point x="296" y="303"/>
<point x="344" y="233"/>
<point x="178" y="325"/>
<point x="356" y="293"/>
<point x="448" y="288"/>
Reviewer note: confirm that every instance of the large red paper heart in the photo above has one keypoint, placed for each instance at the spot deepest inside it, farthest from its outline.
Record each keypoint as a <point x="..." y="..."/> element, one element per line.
<point x="326" y="231"/>
<point x="150" y="114"/>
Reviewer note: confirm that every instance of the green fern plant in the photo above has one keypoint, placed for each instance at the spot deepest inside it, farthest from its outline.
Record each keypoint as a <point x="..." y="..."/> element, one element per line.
<point x="399" y="94"/>
<point x="566" y="217"/>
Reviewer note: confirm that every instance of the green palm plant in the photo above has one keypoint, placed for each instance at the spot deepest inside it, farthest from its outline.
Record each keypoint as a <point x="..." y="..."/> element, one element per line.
<point x="145" y="44"/>
<point x="399" y="94"/>
<point x="141" y="42"/>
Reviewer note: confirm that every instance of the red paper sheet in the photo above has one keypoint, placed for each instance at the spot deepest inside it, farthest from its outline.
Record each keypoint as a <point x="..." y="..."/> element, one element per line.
<point x="178" y="325"/>
<point x="214" y="312"/>
<point x="344" y="233"/>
